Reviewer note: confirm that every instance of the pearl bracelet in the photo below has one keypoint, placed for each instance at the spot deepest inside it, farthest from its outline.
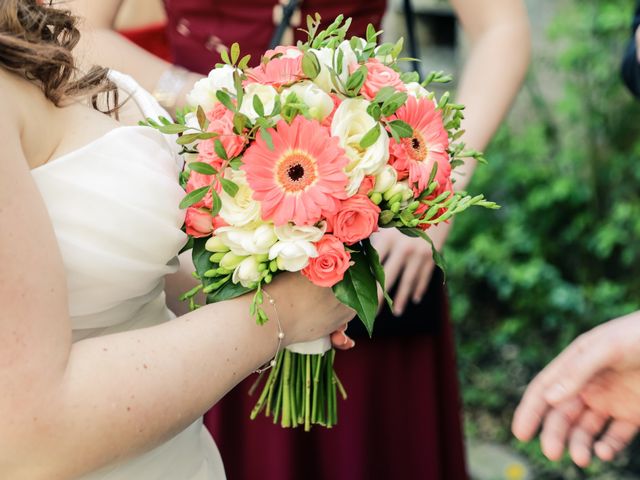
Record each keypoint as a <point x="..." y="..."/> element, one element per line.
<point x="272" y="362"/>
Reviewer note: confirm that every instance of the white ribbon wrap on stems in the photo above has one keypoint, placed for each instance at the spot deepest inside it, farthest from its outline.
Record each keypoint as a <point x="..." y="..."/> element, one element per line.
<point x="314" y="347"/>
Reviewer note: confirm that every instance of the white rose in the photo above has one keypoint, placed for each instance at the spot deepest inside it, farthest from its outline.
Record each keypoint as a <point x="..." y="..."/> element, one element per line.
<point x="204" y="90"/>
<point x="350" y="123"/>
<point x="326" y="58"/>
<point x="385" y="179"/>
<point x="267" y="95"/>
<point x="247" y="241"/>
<point x="417" y="90"/>
<point x="247" y="273"/>
<point x="292" y="255"/>
<point x="241" y="209"/>
<point x="320" y="103"/>
<point x="356" y="176"/>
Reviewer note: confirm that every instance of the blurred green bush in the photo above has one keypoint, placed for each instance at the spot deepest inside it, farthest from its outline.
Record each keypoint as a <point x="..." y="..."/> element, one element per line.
<point x="563" y="254"/>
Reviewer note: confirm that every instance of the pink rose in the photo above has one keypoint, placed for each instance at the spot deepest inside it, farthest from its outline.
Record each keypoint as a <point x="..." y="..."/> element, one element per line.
<point x="329" y="266"/>
<point x="367" y="185"/>
<point x="378" y="76"/>
<point x="356" y="220"/>
<point x="221" y="122"/>
<point x="199" y="222"/>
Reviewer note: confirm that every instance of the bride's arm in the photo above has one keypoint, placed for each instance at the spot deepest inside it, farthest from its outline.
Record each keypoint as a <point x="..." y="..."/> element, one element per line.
<point x="71" y="408"/>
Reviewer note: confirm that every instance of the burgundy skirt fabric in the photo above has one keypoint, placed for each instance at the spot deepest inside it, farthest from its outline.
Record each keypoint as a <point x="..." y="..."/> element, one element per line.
<point x="402" y="418"/>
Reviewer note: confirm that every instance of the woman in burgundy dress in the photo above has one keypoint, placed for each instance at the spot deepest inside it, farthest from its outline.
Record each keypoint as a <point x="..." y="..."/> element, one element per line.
<point x="403" y="417"/>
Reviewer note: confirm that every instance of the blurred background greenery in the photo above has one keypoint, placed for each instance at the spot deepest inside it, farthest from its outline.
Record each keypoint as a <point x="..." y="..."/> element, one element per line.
<point x="563" y="254"/>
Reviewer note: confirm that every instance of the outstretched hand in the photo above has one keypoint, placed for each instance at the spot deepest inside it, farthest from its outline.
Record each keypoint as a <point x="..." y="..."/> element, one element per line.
<point x="588" y="398"/>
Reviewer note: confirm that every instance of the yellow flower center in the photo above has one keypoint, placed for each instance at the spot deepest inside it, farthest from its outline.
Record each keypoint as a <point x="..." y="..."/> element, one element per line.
<point x="416" y="147"/>
<point x="296" y="171"/>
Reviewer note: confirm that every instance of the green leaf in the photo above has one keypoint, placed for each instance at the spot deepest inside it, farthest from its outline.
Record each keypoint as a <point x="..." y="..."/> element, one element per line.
<point x="228" y="291"/>
<point x="193" y="197"/>
<point x="310" y="65"/>
<point x="240" y="121"/>
<point x="358" y="290"/>
<point x="402" y="129"/>
<point x="377" y="269"/>
<point x="202" y="118"/>
<point x="235" y="52"/>
<point x="237" y="84"/>
<point x="258" y="106"/>
<point x="225" y="56"/>
<point x="188" y="138"/>
<point x="244" y="62"/>
<point x="219" y="149"/>
<point x="266" y="136"/>
<point x="235" y="163"/>
<point x="409" y="77"/>
<point x="357" y="79"/>
<point x="224" y="98"/>
<point x="339" y="63"/>
<point x="229" y="187"/>
<point x="370" y="137"/>
<point x="393" y="103"/>
<point x="172" y="129"/>
<point x="384" y="94"/>
<point x="203" y="168"/>
<point x="217" y="203"/>
<point x="437" y="256"/>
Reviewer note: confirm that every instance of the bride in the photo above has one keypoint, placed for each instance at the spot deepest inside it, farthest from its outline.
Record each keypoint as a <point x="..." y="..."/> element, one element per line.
<point x="96" y="382"/>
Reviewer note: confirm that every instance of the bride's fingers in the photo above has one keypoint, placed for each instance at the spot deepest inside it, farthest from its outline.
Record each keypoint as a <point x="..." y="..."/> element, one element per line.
<point x="584" y="432"/>
<point x="617" y="437"/>
<point x="341" y="341"/>
<point x="557" y="425"/>
<point x="410" y="273"/>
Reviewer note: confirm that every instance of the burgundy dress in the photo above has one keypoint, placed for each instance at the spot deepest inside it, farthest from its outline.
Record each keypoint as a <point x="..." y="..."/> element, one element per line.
<point x="402" y="419"/>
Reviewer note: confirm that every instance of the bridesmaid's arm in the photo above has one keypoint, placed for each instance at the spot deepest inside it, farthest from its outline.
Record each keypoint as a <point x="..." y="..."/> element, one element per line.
<point x="101" y="45"/>
<point x="494" y="70"/>
<point x="71" y="408"/>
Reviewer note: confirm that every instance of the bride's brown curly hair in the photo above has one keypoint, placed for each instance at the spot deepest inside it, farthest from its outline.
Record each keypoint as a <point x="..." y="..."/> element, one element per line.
<point x="36" y="41"/>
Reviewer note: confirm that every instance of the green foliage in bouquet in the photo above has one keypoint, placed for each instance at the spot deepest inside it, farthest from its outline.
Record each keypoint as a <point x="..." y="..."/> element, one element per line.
<point x="563" y="255"/>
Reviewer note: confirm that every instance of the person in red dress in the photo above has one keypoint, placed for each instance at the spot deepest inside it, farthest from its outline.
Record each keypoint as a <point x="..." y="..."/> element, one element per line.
<point x="403" y="415"/>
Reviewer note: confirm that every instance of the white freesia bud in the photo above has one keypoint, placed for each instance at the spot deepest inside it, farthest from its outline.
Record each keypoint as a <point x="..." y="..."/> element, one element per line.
<point x="385" y="179"/>
<point x="350" y="123"/>
<point x="320" y="103"/>
<point x="231" y="260"/>
<point x="267" y="95"/>
<point x="292" y="255"/>
<point x="204" y="90"/>
<point x="417" y="90"/>
<point x="215" y="245"/>
<point x="295" y="245"/>
<point x="248" y="241"/>
<point x="247" y="273"/>
<point x="241" y="209"/>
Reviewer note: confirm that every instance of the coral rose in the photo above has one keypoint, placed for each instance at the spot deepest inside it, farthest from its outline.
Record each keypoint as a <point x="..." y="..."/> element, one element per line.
<point x="378" y="76"/>
<point x="200" y="223"/>
<point x="356" y="220"/>
<point x="329" y="266"/>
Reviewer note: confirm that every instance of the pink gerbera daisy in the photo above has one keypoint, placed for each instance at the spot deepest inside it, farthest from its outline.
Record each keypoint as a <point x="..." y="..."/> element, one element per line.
<point x="302" y="179"/>
<point x="278" y="72"/>
<point x="415" y="156"/>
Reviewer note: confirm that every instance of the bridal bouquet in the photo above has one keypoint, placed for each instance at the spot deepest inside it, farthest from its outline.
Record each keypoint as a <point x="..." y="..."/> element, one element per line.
<point x="293" y="164"/>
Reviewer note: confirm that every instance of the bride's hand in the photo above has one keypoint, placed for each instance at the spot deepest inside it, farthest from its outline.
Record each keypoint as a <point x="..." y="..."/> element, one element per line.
<point x="307" y="312"/>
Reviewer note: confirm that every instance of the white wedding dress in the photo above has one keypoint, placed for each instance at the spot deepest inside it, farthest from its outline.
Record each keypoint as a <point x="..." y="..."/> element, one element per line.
<point x="114" y="207"/>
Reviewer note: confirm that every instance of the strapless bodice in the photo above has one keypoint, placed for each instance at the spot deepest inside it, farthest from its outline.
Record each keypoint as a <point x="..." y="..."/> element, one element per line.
<point x="114" y="208"/>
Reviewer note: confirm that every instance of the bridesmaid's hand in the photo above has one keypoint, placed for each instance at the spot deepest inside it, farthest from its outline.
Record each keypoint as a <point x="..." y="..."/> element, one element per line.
<point x="408" y="262"/>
